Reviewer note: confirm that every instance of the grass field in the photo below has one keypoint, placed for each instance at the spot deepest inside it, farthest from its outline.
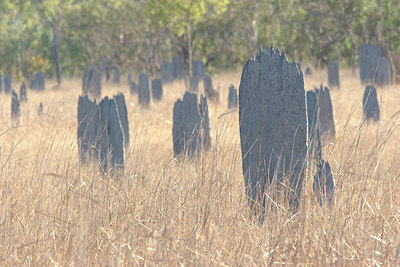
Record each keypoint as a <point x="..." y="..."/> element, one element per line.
<point x="163" y="211"/>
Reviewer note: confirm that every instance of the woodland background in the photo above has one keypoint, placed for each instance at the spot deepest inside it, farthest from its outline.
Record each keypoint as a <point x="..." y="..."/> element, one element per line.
<point x="139" y="35"/>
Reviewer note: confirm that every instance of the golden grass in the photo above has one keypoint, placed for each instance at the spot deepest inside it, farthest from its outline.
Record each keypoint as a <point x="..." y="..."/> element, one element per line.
<point x="56" y="211"/>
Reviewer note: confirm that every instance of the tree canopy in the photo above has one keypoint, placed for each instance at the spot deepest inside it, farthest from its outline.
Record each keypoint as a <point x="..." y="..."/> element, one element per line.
<point x="141" y="34"/>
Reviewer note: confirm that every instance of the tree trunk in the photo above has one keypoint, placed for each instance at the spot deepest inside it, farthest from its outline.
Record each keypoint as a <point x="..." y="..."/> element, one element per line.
<point x="56" y="46"/>
<point x="190" y="50"/>
<point x="158" y="57"/>
<point x="254" y="34"/>
<point x="147" y="51"/>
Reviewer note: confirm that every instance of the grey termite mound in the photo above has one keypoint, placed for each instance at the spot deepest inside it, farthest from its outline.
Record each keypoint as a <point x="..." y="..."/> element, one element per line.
<point x="273" y="128"/>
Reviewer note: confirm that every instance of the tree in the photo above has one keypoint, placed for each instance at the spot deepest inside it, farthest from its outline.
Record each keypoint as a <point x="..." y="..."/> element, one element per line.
<point x="179" y="19"/>
<point x="52" y="13"/>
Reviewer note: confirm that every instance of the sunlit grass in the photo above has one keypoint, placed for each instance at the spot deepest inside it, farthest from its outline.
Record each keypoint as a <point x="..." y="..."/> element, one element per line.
<point x="163" y="211"/>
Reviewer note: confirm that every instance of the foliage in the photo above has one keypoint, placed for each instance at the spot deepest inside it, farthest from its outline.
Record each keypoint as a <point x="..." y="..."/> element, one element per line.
<point x="140" y="35"/>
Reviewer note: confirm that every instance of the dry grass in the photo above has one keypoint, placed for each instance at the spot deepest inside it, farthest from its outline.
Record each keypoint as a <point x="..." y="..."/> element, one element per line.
<point x="56" y="211"/>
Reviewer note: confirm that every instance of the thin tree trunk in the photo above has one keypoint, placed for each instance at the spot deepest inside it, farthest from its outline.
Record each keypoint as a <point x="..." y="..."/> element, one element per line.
<point x="190" y="50"/>
<point x="147" y="51"/>
<point x="355" y="51"/>
<point x="254" y="34"/>
<point x="157" y="59"/>
<point x="56" y="46"/>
